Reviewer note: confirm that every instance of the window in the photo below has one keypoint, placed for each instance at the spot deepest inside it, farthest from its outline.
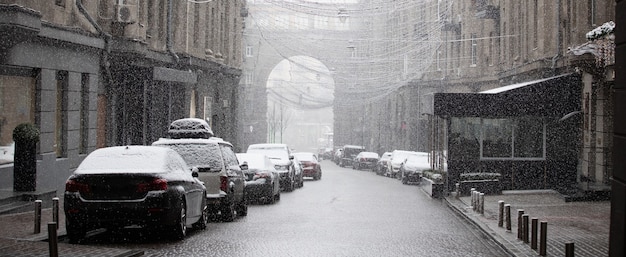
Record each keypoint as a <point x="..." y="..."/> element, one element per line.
<point x="17" y="96"/>
<point x="84" y="115"/>
<point x="60" y="129"/>
<point x="249" y="51"/>
<point x="521" y="138"/>
<point x="473" y="51"/>
<point x="249" y="78"/>
<point x="513" y="138"/>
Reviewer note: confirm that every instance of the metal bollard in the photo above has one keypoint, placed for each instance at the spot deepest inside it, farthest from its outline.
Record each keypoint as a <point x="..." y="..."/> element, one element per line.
<point x="37" y="228"/>
<point x="543" y="238"/>
<point x="472" y="194"/>
<point x="53" y="241"/>
<point x="458" y="190"/>
<point x="569" y="249"/>
<point x="481" y="203"/>
<point x="55" y="211"/>
<point x="500" y="213"/>
<point x="533" y="238"/>
<point x="507" y="216"/>
<point x="520" y="212"/>
<point x="525" y="228"/>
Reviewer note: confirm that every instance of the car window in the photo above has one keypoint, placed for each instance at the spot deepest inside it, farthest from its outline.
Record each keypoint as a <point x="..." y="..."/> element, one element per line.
<point x="229" y="156"/>
<point x="200" y="155"/>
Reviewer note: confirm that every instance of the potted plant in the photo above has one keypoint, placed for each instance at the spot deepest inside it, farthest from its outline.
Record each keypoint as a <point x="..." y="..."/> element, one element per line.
<point x="432" y="183"/>
<point x="484" y="182"/>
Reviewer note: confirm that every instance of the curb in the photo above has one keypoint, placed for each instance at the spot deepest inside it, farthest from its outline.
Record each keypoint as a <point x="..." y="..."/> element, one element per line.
<point x="502" y="242"/>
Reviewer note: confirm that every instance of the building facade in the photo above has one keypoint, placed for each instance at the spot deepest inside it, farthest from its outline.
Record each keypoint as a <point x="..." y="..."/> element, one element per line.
<point x="486" y="44"/>
<point x="92" y="74"/>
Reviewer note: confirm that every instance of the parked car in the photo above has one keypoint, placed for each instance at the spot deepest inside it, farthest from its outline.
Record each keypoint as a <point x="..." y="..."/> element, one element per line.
<point x="281" y="156"/>
<point x="121" y="186"/>
<point x="365" y="160"/>
<point x="397" y="158"/>
<point x="189" y="128"/>
<point x="299" y="172"/>
<point x="311" y="165"/>
<point x="412" y="168"/>
<point x="382" y="166"/>
<point x="349" y="152"/>
<point x="262" y="179"/>
<point x="218" y="169"/>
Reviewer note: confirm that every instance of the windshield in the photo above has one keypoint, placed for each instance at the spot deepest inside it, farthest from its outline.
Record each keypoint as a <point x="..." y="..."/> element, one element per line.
<point x="199" y="155"/>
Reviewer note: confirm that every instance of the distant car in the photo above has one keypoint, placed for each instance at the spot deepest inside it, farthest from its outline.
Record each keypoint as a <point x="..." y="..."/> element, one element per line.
<point x="365" y="160"/>
<point x="349" y="152"/>
<point x="311" y="165"/>
<point x="413" y="167"/>
<point x="121" y="186"/>
<point x="189" y="128"/>
<point x="382" y="166"/>
<point x="262" y="179"/>
<point x="218" y="169"/>
<point x="281" y="156"/>
<point x="397" y="158"/>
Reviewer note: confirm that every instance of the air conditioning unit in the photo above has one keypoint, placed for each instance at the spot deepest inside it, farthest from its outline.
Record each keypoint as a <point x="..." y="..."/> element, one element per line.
<point x="126" y="13"/>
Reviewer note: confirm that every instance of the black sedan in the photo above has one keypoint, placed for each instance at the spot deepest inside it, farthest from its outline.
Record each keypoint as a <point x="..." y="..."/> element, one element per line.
<point x="262" y="179"/>
<point x="145" y="186"/>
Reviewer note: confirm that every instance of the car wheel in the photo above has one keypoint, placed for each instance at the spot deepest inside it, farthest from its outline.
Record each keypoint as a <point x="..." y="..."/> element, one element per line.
<point x="271" y="198"/>
<point x="204" y="217"/>
<point x="75" y="233"/>
<point x="180" y="228"/>
<point x="242" y="209"/>
<point x="228" y="212"/>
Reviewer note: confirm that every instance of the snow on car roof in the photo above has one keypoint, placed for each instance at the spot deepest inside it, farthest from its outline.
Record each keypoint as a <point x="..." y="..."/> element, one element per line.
<point x="305" y="156"/>
<point x="190" y="141"/>
<point x="369" y="154"/>
<point x="127" y="159"/>
<point x="267" y="146"/>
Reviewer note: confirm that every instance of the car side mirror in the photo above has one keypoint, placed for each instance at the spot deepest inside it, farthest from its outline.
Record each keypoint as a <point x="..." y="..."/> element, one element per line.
<point x="290" y="157"/>
<point x="194" y="172"/>
<point x="244" y="166"/>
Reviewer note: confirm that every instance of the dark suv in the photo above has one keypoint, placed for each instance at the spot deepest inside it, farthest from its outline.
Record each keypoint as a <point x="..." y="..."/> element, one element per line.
<point x="219" y="170"/>
<point x="349" y="152"/>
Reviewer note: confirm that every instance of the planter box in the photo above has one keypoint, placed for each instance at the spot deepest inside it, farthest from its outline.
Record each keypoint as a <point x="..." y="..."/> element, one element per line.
<point x="432" y="188"/>
<point x="489" y="187"/>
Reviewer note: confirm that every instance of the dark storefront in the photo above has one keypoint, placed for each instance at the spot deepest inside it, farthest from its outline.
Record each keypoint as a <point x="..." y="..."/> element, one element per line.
<point x="522" y="131"/>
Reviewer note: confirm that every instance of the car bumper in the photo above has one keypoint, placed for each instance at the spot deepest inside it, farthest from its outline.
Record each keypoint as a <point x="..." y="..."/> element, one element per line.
<point x="310" y="172"/>
<point x="256" y="191"/>
<point x="151" y="211"/>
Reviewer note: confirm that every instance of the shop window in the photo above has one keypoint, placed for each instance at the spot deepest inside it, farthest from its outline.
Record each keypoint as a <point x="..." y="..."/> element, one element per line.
<point x="513" y="138"/>
<point x="17" y="96"/>
<point x="502" y="138"/>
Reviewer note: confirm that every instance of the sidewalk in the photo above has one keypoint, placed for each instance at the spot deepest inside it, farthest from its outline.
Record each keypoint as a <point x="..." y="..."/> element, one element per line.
<point x="586" y="224"/>
<point x="17" y="238"/>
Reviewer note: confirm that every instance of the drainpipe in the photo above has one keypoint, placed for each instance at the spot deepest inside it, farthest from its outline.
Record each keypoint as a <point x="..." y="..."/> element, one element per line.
<point x="168" y="43"/>
<point x="559" y="37"/>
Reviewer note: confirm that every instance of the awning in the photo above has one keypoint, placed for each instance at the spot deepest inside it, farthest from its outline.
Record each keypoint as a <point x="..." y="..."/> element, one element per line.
<point x="553" y="96"/>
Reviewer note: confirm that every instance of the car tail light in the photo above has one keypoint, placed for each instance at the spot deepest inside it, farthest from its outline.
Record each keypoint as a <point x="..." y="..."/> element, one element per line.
<point x="158" y="184"/>
<point x="75" y="186"/>
<point x="261" y="175"/>
<point x="224" y="183"/>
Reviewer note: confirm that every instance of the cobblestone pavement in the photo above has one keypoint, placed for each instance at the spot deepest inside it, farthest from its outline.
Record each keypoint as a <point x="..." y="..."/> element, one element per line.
<point x="18" y="238"/>
<point x="586" y="224"/>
